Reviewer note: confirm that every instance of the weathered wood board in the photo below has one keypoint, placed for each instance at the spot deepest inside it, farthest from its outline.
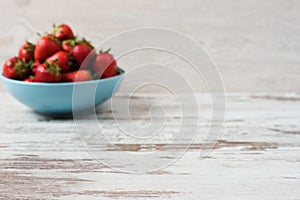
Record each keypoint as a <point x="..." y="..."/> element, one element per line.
<point x="256" y="156"/>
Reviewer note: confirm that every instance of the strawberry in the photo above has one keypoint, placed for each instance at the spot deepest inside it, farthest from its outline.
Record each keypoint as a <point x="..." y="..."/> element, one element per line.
<point x="29" y="79"/>
<point x="80" y="52"/>
<point x="47" y="72"/>
<point x="46" y="46"/>
<point x="61" y="58"/>
<point x="14" y="68"/>
<point x="105" y="65"/>
<point x="77" y="76"/>
<point x="67" y="45"/>
<point x="62" y="32"/>
<point x="26" y="52"/>
<point x="85" y="42"/>
<point x="34" y="66"/>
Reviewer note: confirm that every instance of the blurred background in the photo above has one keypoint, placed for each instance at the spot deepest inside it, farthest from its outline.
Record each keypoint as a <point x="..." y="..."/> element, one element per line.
<point x="255" y="44"/>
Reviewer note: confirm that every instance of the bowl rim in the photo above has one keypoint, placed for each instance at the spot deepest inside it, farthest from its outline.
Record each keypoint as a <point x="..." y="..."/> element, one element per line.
<point x="60" y="84"/>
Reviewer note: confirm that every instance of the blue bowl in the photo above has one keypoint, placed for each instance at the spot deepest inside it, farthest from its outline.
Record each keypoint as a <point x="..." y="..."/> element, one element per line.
<point x="63" y="98"/>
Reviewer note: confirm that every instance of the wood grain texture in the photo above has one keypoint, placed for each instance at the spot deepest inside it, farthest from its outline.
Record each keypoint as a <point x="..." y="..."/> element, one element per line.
<point x="256" y="156"/>
<point x="254" y="43"/>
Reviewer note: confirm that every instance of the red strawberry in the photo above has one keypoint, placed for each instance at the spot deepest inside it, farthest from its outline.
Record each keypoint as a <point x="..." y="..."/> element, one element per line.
<point x="48" y="73"/>
<point x="34" y="66"/>
<point x="62" y="32"/>
<point x="14" y="68"/>
<point x="26" y="52"/>
<point x="61" y="58"/>
<point x="29" y="79"/>
<point x="67" y="45"/>
<point x="46" y="46"/>
<point x="85" y="42"/>
<point x="80" y="52"/>
<point x="77" y="76"/>
<point x="105" y="65"/>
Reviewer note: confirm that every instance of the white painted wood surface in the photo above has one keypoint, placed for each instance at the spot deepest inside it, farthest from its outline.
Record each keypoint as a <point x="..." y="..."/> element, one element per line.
<point x="256" y="157"/>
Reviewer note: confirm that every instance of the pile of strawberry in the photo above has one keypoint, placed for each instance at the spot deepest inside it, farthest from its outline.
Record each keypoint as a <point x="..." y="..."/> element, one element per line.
<point x="60" y="57"/>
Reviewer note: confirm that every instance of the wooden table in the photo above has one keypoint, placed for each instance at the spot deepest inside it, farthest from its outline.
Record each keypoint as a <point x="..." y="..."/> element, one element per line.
<point x="257" y="156"/>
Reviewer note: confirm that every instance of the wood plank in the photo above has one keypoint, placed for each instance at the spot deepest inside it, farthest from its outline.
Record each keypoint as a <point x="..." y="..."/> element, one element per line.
<point x="257" y="155"/>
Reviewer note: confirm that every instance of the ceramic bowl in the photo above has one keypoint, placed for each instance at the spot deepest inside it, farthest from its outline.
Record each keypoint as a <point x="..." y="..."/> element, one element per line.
<point x="63" y="98"/>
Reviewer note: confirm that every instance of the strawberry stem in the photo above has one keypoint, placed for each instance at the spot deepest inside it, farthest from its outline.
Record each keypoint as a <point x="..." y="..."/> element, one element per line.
<point x="107" y="51"/>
